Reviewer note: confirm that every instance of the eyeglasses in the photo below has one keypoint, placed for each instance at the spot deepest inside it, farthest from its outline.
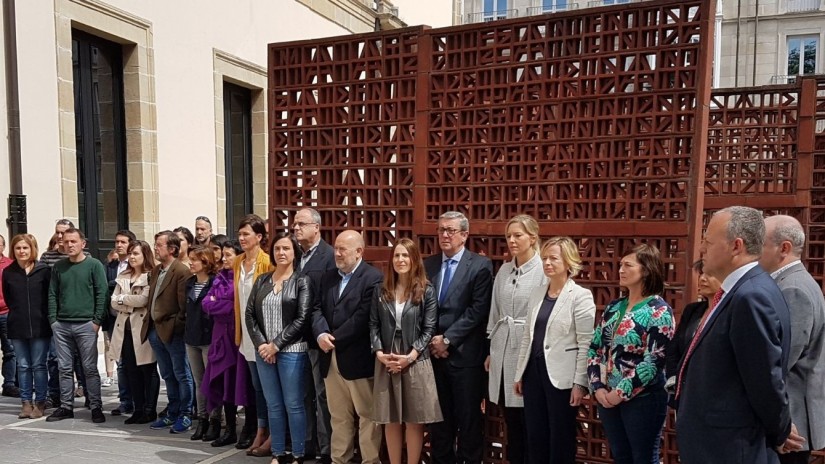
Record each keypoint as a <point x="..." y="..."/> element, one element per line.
<point x="450" y="232"/>
<point x="301" y="225"/>
<point x="204" y="219"/>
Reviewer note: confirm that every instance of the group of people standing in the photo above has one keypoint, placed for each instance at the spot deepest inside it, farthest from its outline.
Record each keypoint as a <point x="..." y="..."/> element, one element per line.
<point x="319" y="345"/>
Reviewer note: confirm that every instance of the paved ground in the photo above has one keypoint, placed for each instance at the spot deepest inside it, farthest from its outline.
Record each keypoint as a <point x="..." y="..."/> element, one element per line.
<point x="79" y="440"/>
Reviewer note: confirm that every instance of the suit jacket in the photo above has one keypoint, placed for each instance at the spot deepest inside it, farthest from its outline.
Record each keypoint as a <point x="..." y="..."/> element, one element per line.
<point x="566" y="338"/>
<point x="678" y="346"/>
<point x="321" y="262"/>
<point x="733" y="405"/>
<point x="462" y="316"/>
<point x="169" y="315"/>
<point x="806" y="376"/>
<point x="347" y="319"/>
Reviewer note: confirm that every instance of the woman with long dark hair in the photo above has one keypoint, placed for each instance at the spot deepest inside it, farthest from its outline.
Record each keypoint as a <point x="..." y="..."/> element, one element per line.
<point x="130" y="335"/>
<point x="403" y="320"/>
<point x="276" y="316"/>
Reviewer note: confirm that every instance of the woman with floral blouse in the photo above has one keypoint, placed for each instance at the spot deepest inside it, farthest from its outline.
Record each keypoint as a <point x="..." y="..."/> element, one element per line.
<point x="626" y="360"/>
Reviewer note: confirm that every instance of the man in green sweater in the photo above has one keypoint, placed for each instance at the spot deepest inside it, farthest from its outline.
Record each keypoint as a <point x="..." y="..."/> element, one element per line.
<point x="77" y="301"/>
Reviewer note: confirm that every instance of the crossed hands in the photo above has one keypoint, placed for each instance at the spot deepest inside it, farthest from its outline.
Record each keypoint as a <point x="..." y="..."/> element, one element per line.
<point x="793" y="443"/>
<point x="395" y="363"/>
<point x="267" y="351"/>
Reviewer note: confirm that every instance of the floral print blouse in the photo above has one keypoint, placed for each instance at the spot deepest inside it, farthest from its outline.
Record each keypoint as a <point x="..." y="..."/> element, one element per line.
<point x="629" y="355"/>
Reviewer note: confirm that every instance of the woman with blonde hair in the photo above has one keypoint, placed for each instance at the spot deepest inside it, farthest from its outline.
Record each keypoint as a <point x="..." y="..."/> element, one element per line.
<point x="402" y="322"/>
<point x="515" y="281"/>
<point x="26" y="289"/>
<point x="551" y="372"/>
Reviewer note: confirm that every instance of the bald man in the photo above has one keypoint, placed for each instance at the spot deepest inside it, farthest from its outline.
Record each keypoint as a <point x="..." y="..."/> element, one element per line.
<point x="781" y="253"/>
<point x="340" y="324"/>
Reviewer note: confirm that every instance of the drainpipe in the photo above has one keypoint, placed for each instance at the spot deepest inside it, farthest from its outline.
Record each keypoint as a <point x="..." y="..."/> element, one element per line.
<point x="755" y="41"/>
<point x="16" y="220"/>
<point x="738" y="29"/>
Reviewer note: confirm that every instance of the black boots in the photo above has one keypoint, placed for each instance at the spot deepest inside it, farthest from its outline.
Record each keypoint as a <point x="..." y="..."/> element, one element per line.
<point x="229" y="437"/>
<point x="200" y="429"/>
<point x="214" y="430"/>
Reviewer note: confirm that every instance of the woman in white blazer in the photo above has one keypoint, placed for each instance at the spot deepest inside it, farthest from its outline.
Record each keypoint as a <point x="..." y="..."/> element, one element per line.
<point x="551" y="373"/>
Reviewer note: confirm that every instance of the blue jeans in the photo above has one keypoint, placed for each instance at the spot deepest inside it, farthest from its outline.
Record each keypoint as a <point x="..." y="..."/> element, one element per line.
<point x="31" y="354"/>
<point x="634" y="427"/>
<point x="283" y="384"/>
<point x="9" y="366"/>
<point x="174" y="369"/>
<point x="260" y="400"/>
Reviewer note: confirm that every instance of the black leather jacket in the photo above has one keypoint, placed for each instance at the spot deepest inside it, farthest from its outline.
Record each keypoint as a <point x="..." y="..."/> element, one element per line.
<point x="295" y="309"/>
<point x="418" y="323"/>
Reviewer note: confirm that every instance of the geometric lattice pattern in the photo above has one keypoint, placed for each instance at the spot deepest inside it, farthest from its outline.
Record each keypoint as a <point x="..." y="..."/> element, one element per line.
<point x="599" y="123"/>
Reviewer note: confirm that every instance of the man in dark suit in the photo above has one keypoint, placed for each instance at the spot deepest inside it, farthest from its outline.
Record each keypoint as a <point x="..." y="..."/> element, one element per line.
<point x="464" y="285"/>
<point x="113" y="268"/>
<point x="340" y="324"/>
<point x="732" y="403"/>
<point x="318" y="259"/>
<point x="167" y="306"/>
<point x="784" y="242"/>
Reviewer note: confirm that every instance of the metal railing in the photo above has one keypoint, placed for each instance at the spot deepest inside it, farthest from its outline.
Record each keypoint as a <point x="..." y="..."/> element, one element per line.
<point x="487" y="16"/>
<point x="565" y="6"/>
<point x="798" y="6"/>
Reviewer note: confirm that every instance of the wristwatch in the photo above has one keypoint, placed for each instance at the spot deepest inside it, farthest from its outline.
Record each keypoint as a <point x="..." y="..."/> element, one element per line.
<point x="446" y="341"/>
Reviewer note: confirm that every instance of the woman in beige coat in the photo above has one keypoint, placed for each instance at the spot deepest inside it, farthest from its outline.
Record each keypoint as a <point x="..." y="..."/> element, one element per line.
<point x="130" y="299"/>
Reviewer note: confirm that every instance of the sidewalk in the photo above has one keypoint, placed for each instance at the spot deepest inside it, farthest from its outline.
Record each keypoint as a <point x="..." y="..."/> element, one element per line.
<point x="79" y="440"/>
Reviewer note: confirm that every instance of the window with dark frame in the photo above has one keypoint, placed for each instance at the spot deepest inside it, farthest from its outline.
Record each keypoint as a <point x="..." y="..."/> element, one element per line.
<point x="237" y="117"/>
<point x="100" y="140"/>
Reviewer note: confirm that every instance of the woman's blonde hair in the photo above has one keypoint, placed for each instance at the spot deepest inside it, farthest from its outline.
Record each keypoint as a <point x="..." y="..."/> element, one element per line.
<point x="569" y="253"/>
<point x="529" y="225"/>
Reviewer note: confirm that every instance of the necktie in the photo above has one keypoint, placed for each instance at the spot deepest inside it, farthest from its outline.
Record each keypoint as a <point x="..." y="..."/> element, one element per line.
<point x="445" y="282"/>
<point x="716" y="299"/>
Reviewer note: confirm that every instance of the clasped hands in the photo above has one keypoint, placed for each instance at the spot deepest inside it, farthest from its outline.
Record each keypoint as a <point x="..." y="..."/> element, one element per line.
<point x="608" y="399"/>
<point x="395" y="363"/>
<point x="267" y="351"/>
<point x="793" y="443"/>
<point x="438" y="348"/>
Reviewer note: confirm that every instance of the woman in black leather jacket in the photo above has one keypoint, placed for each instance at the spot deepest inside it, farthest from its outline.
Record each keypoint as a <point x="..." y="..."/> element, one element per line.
<point x="276" y="316"/>
<point x="402" y="322"/>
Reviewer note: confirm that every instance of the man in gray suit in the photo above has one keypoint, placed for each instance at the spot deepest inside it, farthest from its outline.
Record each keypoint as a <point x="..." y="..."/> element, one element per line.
<point x="784" y="242"/>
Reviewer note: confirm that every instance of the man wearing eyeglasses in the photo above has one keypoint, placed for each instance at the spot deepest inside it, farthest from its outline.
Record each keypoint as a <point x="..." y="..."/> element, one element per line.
<point x="464" y="285"/>
<point x="318" y="259"/>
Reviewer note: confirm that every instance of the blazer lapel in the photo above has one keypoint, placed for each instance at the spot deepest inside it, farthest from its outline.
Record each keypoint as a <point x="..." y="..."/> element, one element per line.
<point x="460" y="273"/>
<point x="167" y="277"/>
<point x="563" y="303"/>
<point x="723" y="305"/>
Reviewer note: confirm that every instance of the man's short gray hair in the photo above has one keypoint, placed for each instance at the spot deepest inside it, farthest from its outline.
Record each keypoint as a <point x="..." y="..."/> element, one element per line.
<point x="463" y="222"/>
<point x="314" y="214"/>
<point x="747" y="224"/>
<point x="789" y="229"/>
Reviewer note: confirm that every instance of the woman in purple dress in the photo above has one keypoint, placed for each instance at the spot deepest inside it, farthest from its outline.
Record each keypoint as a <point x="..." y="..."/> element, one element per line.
<point x="223" y="384"/>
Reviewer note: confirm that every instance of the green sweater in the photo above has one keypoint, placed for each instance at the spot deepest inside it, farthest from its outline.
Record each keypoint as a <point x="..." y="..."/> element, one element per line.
<point x="77" y="292"/>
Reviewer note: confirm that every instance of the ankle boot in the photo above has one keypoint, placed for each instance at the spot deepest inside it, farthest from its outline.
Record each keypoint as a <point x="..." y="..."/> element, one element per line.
<point x="214" y="430"/>
<point x="246" y="438"/>
<point x="229" y="437"/>
<point x="200" y="429"/>
<point x="26" y="411"/>
<point x="38" y="410"/>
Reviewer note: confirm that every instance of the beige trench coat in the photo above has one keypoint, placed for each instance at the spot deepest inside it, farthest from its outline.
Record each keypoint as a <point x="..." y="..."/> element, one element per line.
<point x="135" y="299"/>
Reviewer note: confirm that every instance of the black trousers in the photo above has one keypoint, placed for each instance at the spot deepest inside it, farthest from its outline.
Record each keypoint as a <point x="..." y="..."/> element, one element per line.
<point x="549" y="419"/>
<point x="144" y="381"/>
<point x="459" y="438"/>
<point x="800" y="457"/>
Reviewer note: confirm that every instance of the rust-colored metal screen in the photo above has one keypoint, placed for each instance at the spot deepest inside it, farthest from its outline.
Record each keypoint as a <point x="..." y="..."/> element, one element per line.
<point x="595" y="122"/>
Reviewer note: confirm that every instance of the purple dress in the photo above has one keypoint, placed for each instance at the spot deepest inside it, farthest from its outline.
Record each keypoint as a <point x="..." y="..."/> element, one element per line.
<point x="223" y="382"/>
